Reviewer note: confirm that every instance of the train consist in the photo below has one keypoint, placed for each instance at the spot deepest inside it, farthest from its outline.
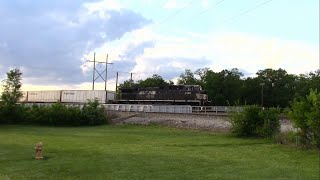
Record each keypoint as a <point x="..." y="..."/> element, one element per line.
<point x="68" y="96"/>
<point x="171" y="94"/>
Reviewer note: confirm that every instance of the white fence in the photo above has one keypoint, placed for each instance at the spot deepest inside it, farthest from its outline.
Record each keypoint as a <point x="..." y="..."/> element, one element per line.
<point x="148" y="108"/>
<point x="186" y="109"/>
<point x="215" y="109"/>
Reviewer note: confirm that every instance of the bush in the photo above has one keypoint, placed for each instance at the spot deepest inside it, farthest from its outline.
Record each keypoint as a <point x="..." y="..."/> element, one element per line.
<point x="10" y="114"/>
<point x="55" y="115"/>
<point x="305" y="115"/>
<point x="288" y="138"/>
<point x="253" y="121"/>
<point x="93" y="114"/>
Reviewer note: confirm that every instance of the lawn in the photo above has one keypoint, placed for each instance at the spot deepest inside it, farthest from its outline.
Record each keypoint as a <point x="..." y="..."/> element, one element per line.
<point x="147" y="152"/>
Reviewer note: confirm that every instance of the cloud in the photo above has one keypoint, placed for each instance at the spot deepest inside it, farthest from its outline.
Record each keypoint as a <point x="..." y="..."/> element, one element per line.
<point x="48" y="39"/>
<point x="205" y="4"/>
<point x="254" y="53"/>
<point x="167" y="67"/>
<point x="171" y="4"/>
<point x="170" y="56"/>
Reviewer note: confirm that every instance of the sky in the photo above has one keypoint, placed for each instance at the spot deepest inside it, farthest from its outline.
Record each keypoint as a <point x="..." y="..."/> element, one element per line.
<point x="52" y="42"/>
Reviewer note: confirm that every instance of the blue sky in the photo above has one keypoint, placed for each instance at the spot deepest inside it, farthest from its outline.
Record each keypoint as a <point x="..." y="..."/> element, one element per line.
<point x="50" y="41"/>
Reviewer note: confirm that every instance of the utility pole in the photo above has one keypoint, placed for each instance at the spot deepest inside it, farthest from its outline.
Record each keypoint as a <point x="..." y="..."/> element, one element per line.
<point x="117" y="84"/>
<point x="130" y="79"/>
<point x="94" y="69"/>
<point x="262" y="84"/>
<point x="100" y="74"/>
<point x="105" y="83"/>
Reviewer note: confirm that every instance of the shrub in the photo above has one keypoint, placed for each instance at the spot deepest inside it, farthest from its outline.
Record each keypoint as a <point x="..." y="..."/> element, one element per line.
<point x="60" y="115"/>
<point x="93" y="114"/>
<point x="10" y="114"/>
<point x="254" y="121"/>
<point x="271" y="124"/>
<point x="286" y="138"/>
<point x="305" y="115"/>
<point x="55" y="115"/>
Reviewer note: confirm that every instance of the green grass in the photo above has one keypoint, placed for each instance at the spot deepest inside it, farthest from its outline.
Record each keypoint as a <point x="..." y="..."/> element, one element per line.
<point x="154" y="152"/>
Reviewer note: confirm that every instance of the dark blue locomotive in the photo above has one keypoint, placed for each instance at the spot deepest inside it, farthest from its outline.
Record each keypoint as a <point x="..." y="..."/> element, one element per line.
<point x="170" y="94"/>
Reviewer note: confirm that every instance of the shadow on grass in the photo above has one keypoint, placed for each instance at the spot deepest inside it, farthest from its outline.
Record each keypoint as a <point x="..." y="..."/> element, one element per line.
<point x="217" y="145"/>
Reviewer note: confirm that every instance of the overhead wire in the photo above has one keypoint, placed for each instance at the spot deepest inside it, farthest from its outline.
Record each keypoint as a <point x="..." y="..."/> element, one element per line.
<point x="176" y="13"/>
<point x="206" y="10"/>
<point x="246" y="11"/>
<point x="211" y="6"/>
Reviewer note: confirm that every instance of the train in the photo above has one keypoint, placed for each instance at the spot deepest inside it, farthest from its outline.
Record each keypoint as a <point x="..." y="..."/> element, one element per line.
<point x="68" y="96"/>
<point x="170" y="94"/>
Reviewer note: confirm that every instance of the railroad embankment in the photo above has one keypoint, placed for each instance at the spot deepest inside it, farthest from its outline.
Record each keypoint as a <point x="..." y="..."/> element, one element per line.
<point x="209" y="122"/>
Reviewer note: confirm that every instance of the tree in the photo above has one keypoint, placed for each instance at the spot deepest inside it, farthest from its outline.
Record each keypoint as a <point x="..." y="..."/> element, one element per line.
<point x="250" y="91"/>
<point x="154" y="81"/>
<point x="187" y="78"/>
<point x="223" y="87"/>
<point x="127" y="84"/>
<point x="10" y="112"/>
<point x="11" y="87"/>
<point x="202" y="73"/>
<point x="278" y="89"/>
<point x="305" y="115"/>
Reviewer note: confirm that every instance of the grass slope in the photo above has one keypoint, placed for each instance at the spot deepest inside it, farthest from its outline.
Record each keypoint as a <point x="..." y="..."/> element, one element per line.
<point x="154" y="152"/>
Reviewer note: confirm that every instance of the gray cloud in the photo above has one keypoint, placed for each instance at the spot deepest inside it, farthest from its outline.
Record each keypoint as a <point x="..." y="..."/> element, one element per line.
<point x="163" y="66"/>
<point x="48" y="38"/>
<point x="127" y="60"/>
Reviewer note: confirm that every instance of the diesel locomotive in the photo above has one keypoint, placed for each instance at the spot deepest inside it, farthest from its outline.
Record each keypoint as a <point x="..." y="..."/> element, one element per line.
<point x="169" y="94"/>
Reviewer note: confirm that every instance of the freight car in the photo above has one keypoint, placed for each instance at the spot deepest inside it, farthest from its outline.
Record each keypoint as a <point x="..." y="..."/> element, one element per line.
<point x="68" y="96"/>
<point x="170" y="94"/>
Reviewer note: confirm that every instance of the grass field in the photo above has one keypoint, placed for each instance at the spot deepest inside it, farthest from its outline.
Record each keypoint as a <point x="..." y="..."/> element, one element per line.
<point x="153" y="152"/>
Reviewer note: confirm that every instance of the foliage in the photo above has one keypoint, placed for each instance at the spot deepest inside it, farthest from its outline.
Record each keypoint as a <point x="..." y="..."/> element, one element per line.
<point x="10" y="113"/>
<point x="187" y="78"/>
<point x="127" y="84"/>
<point x="305" y="115"/>
<point x="56" y="115"/>
<point x="279" y="87"/>
<point x="221" y="86"/>
<point x="229" y="87"/>
<point x="154" y="81"/>
<point x="253" y="121"/>
<point x="202" y="73"/>
<point x="11" y="87"/>
<point x="9" y="110"/>
<point x="93" y="114"/>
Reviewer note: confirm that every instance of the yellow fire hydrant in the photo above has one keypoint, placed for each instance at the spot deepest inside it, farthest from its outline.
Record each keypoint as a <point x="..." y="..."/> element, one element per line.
<point x="38" y="150"/>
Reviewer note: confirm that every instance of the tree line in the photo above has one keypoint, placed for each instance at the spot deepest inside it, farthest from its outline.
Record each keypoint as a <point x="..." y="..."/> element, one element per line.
<point x="269" y="87"/>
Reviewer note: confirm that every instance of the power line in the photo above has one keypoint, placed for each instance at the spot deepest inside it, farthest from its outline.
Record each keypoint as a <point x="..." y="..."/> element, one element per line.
<point x="247" y="11"/>
<point x="213" y="5"/>
<point x="176" y="13"/>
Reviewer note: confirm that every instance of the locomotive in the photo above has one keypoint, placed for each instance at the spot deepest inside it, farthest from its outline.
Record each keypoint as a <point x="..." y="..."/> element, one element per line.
<point x="169" y="94"/>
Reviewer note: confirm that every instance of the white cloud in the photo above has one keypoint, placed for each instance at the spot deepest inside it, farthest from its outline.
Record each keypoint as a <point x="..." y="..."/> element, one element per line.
<point x="171" y="4"/>
<point x="224" y="50"/>
<point x="205" y="4"/>
<point x="253" y="53"/>
<point x="102" y="6"/>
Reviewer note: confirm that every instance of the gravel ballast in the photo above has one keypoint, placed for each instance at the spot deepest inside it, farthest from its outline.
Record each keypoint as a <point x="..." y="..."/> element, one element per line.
<point x="190" y="121"/>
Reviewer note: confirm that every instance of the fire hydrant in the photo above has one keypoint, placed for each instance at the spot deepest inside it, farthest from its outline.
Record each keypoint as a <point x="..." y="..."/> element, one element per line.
<point x="38" y="150"/>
